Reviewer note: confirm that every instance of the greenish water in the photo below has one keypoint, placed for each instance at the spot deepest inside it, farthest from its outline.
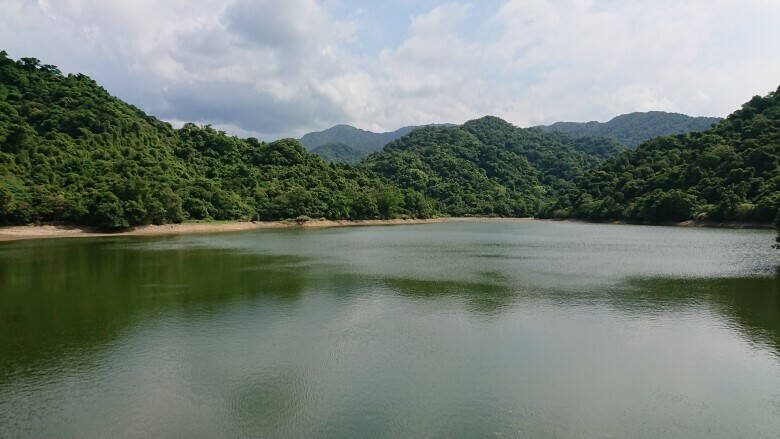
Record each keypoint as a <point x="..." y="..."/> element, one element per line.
<point x="539" y="330"/>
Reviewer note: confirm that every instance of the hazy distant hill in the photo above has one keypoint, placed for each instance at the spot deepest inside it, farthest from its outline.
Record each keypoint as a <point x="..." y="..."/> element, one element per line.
<point x="353" y="137"/>
<point x="345" y="143"/>
<point x="634" y="128"/>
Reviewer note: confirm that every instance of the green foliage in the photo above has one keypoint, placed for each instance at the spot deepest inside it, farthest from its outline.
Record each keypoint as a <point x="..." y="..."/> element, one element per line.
<point x="557" y="158"/>
<point x="598" y="147"/>
<point x="340" y="153"/>
<point x="487" y="166"/>
<point x="635" y="128"/>
<point x="70" y="152"/>
<point x="729" y="173"/>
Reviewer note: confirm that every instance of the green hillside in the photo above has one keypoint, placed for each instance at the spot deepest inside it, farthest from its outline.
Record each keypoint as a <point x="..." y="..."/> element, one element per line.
<point x="340" y="153"/>
<point x="731" y="172"/>
<point x="486" y="166"/>
<point x="70" y="152"/>
<point x="634" y="128"/>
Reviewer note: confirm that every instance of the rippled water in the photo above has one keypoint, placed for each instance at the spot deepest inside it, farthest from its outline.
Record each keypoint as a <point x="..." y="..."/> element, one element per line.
<point x="538" y="329"/>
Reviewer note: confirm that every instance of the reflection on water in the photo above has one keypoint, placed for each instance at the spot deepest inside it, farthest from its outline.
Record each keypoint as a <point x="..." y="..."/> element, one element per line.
<point x="536" y="329"/>
<point x="484" y="296"/>
<point x="750" y="306"/>
<point x="68" y="294"/>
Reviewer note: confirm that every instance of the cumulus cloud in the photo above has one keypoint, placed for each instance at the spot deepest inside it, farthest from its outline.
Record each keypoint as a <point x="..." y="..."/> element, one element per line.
<point x="274" y="68"/>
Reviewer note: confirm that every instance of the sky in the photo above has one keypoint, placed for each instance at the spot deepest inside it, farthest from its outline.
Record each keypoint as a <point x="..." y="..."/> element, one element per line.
<point x="273" y="69"/>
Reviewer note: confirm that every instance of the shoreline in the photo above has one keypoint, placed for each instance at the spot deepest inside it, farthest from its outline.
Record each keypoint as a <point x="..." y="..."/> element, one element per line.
<point x="687" y="223"/>
<point x="19" y="233"/>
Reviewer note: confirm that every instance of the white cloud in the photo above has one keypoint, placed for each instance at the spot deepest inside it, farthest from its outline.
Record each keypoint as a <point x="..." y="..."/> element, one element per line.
<point x="274" y="68"/>
<point x="604" y="58"/>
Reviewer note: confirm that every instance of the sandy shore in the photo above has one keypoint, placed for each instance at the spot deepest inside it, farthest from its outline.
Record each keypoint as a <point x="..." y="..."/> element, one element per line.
<point x="15" y="233"/>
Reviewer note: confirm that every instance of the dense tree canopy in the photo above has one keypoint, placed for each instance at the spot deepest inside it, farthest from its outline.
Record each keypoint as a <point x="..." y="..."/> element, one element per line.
<point x="464" y="175"/>
<point x="487" y="166"/>
<point x="71" y="152"/>
<point x="340" y="153"/>
<point x="731" y="172"/>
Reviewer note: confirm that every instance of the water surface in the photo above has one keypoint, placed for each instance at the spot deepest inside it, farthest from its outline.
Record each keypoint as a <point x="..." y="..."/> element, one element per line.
<point x="537" y="329"/>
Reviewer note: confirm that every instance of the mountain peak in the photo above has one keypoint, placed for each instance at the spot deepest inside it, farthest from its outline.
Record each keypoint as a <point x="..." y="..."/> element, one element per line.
<point x="489" y="120"/>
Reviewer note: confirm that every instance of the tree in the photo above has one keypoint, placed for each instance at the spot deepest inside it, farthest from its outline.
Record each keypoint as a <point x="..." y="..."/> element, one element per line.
<point x="171" y="202"/>
<point x="389" y="202"/>
<point x="108" y="213"/>
<point x="7" y="204"/>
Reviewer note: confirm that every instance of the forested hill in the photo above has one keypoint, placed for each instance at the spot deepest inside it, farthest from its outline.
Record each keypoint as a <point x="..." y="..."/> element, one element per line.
<point x="361" y="140"/>
<point x="487" y="166"/>
<point x="70" y="152"/>
<point x="634" y="128"/>
<point x="340" y="153"/>
<point x="731" y="172"/>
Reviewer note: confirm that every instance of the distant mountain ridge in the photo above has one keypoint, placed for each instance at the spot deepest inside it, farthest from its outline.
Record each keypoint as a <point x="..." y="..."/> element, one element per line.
<point x="353" y="137"/>
<point x="345" y="143"/>
<point x="634" y="128"/>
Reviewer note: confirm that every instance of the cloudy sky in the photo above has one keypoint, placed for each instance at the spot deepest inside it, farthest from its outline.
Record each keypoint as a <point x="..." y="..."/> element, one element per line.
<point x="274" y="68"/>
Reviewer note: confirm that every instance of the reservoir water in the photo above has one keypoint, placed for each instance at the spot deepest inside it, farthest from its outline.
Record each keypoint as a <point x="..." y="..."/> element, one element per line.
<point x="526" y="329"/>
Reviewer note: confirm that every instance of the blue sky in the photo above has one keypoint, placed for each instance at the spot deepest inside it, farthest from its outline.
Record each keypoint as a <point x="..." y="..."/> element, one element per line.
<point x="385" y="24"/>
<point x="271" y="68"/>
